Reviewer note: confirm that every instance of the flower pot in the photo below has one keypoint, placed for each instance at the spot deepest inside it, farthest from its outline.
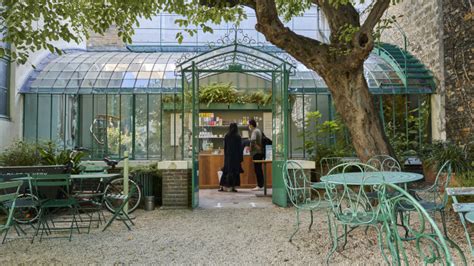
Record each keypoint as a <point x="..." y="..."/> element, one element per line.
<point x="429" y="173"/>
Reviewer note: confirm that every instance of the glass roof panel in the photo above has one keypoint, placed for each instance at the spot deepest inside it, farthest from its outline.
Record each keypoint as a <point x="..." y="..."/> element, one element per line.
<point x="79" y="72"/>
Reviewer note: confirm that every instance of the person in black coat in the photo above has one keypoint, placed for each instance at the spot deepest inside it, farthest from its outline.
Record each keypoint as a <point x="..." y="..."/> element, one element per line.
<point x="233" y="158"/>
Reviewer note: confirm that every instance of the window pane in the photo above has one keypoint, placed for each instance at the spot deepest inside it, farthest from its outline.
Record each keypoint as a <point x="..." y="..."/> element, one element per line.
<point x="113" y="125"/>
<point x="44" y="117"/>
<point x="30" y="122"/>
<point x="57" y="120"/>
<point x="4" y="77"/>
<point x="126" y="120"/>
<point x="99" y="126"/>
<point x="86" y="119"/>
<point x="141" y="113"/>
<point x="154" y="123"/>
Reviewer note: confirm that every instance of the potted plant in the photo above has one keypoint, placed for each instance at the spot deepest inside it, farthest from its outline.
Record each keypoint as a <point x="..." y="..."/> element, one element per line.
<point x="217" y="94"/>
<point x="435" y="154"/>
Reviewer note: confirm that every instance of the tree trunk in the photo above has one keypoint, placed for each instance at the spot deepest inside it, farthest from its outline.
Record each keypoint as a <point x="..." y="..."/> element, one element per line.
<point x="343" y="73"/>
<point x="355" y="105"/>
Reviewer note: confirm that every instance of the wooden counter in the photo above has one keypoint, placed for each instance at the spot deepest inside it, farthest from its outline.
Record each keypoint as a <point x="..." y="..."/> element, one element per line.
<point x="209" y="164"/>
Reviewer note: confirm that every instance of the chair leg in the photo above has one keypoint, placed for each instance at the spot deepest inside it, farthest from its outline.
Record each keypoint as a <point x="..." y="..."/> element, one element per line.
<point x="40" y="221"/>
<point x="380" y="241"/>
<point x="334" y="239"/>
<point x="111" y="220"/>
<point x="311" y="224"/>
<point x="345" y="237"/>
<point x="297" y="225"/>
<point x="443" y="218"/>
<point x="5" y="236"/>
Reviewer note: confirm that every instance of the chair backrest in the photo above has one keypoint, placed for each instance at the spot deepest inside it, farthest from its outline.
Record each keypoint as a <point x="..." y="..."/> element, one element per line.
<point x="384" y="163"/>
<point x="41" y="183"/>
<point x="8" y="193"/>
<point x="351" y="204"/>
<point x="431" y="245"/>
<point x="327" y="163"/>
<point x="443" y="177"/>
<point x="298" y="185"/>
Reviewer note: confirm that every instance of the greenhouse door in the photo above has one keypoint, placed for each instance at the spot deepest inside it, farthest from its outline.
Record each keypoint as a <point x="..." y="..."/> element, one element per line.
<point x="280" y="133"/>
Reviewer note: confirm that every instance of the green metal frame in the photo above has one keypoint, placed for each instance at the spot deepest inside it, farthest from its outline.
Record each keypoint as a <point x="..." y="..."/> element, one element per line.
<point x="194" y="68"/>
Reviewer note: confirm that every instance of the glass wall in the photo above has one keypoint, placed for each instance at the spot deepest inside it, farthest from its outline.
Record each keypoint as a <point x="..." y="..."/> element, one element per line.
<point x="107" y="125"/>
<point x="162" y="30"/>
<point x="149" y="126"/>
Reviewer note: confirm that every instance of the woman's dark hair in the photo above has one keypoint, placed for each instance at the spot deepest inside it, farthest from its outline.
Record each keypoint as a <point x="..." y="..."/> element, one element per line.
<point x="233" y="130"/>
<point x="252" y="123"/>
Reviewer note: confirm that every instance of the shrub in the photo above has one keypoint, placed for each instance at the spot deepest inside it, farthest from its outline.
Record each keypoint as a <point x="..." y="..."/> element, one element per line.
<point x="21" y="153"/>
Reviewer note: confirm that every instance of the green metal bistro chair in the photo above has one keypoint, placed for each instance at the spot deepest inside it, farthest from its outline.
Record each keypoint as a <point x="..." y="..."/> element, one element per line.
<point x="434" y="198"/>
<point x="120" y="210"/>
<point x="301" y="192"/>
<point x="328" y="163"/>
<point x="429" y="246"/>
<point x="90" y="197"/>
<point x="350" y="205"/>
<point x="43" y="186"/>
<point x="8" y="195"/>
<point x="384" y="163"/>
<point x="465" y="210"/>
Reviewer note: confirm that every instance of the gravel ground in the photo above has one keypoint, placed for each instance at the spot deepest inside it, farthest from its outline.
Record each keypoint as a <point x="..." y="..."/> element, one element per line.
<point x="205" y="236"/>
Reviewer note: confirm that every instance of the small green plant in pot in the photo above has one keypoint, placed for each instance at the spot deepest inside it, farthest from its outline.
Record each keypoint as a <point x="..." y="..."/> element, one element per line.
<point x="436" y="154"/>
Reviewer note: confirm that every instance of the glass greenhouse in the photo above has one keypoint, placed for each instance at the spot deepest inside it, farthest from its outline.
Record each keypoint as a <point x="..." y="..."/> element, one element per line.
<point x="110" y="102"/>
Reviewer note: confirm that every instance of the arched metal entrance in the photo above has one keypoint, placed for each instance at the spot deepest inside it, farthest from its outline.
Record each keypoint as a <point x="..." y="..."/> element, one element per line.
<point x="236" y="58"/>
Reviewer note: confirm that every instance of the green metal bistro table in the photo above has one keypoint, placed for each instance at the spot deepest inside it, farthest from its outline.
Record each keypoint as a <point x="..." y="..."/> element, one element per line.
<point x="372" y="178"/>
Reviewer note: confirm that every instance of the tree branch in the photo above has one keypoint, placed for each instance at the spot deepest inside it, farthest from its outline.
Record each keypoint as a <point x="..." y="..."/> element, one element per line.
<point x="338" y="17"/>
<point x="312" y="53"/>
<point x="374" y="16"/>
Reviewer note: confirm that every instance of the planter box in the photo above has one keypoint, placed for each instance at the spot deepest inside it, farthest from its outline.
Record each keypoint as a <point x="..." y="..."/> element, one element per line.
<point x="214" y="106"/>
<point x="246" y="106"/>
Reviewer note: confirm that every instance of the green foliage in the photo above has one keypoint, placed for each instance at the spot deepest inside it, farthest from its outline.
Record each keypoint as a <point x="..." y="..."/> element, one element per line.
<point x="51" y="155"/>
<point x="31" y="25"/>
<point x="218" y="93"/>
<point x="20" y="153"/>
<point x="437" y="153"/>
<point x="149" y="171"/>
<point x="226" y="93"/>
<point x="259" y="97"/>
<point x="406" y="142"/>
<point x="324" y="139"/>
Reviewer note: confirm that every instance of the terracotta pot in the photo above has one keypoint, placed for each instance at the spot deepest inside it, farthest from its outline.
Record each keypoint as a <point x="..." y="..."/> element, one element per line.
<point x="429" y="172"/>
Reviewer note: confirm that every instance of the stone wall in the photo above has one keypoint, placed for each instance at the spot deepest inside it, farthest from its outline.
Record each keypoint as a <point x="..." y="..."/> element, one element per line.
<point x="109" y="41"/>
<point x="459" y="69"/>
<point x="420" y="20"/>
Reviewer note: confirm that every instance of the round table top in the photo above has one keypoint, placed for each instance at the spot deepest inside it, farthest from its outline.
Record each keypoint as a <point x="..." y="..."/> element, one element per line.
<point x="372" y="178"/>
